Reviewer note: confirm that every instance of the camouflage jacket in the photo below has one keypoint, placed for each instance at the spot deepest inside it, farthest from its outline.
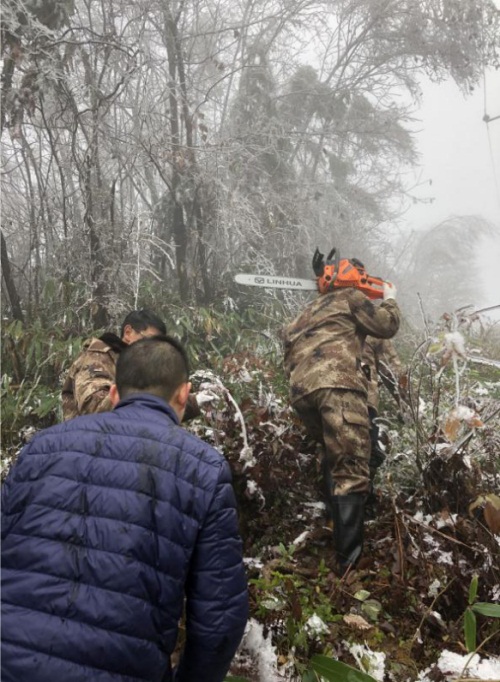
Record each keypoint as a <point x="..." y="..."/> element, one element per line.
<point x="87" y="383"/>
<point x="86" y="386"/>
<point x="380" y="356"/>
<point x="323" y="346"/>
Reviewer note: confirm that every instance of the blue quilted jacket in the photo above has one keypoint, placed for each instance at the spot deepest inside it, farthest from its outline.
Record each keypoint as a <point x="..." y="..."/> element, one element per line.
<point x="110" y="522"/>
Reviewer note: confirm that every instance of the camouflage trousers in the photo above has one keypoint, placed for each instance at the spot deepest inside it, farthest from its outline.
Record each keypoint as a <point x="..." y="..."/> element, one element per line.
<point x="338" y="419"/>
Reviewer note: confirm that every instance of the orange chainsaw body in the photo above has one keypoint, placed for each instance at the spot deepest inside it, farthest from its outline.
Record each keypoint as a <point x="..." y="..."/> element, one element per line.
<point x="346" y="274"/>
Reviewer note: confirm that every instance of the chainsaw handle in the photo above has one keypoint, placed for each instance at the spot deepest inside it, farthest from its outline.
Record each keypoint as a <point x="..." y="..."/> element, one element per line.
<point x="318" y="263"/>
<point x="333" y="257"/>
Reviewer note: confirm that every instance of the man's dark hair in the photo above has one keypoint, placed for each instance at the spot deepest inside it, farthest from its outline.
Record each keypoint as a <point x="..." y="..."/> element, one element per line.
<point x="140" y="320"/>
<point x="157" y="365"/>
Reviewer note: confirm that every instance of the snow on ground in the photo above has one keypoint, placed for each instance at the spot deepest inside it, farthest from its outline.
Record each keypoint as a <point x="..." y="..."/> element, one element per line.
<point x="369" y="661"/>
<point x="471" y="666"/>
<point x="260" y="655"/>
<point x="259" y="648"/>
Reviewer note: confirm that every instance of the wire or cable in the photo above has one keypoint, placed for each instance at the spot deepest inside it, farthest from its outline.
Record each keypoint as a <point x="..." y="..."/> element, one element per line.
<point x="486" y="118"/>
<point x="493" y="165"/>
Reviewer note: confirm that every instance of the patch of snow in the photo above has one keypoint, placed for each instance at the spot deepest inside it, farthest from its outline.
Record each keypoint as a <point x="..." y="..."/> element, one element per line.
<point x="441" y="447"/>
<point x="229" y="304"/>
<point x="27" y="433"/>
<point x="315" y="626"/>
<point x="449" y="520"/>
<point x="253" y="490"/>
<point x="316" y="505"/>
<point x="245" y="376"/>
<point x="445" y="558"/>
<point x="434" y="588"/>
<point x="463" y="412"/>
<point x="246" y="456"/>
<point x="301" y="538"/>
<point x="495" y="593"/>
<point x="371" y="662"/>
<point x="279" y="429"/>
<point x="455" y="343"/>
<point x="262" y="651"/>
<point x="422" y="676"/>
<point x="428" y="538"/>
<point x="303" y="459"/>
<point x="422" y="405"/>
<point x="253" y="562"/>
<point x="317" y="508"/>
<point x="452" y="664"/>
<point x="419" y="516"/>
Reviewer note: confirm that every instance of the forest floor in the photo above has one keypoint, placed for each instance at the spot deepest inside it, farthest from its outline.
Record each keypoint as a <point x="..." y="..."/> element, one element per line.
<point x="401" y="614"/>
<point x="423" y="603"/>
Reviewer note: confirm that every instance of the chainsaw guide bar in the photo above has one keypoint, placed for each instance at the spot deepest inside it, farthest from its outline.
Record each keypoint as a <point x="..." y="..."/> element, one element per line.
<point x="271" y="282"/>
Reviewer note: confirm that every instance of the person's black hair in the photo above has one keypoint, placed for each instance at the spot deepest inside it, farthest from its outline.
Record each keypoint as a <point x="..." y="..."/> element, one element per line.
<point x="140" y="320"/>
<point x="156" y="364"/>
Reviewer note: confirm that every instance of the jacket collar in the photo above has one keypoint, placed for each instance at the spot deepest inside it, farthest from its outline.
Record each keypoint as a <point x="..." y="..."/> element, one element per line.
<point x="150" y="401"/>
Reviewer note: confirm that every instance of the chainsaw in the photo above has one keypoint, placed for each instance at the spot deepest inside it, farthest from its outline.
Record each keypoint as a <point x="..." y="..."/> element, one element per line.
<point x="331" y="274"/>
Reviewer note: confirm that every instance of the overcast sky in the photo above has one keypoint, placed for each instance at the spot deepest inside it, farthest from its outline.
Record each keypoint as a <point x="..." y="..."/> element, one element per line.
<point x="461" y="155"/>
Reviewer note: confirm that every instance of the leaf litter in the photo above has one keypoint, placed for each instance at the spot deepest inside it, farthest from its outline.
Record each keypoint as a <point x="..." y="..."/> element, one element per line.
<point x="425" y="541"/>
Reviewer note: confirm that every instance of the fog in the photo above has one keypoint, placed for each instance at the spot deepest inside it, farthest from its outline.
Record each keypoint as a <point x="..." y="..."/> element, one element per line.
<point x="459" y="172"/>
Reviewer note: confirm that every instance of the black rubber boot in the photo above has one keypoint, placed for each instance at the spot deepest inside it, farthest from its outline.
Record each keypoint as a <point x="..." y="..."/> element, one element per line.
<point x="348" y="520"/>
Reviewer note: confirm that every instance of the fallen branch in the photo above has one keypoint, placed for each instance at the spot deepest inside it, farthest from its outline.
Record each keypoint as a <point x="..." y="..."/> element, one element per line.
<point x="435" y="530"/>
<point x="428" y="610"/>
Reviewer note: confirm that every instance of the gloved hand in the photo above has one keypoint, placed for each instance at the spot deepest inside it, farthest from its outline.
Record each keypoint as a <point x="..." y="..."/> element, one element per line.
<point x="318" y="263"/>
<point x="389" y="291"/>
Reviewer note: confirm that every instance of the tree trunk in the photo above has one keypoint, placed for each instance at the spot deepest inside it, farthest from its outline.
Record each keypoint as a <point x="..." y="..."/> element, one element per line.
<point x="15" y="303"/>
<point x="178" y="162"/>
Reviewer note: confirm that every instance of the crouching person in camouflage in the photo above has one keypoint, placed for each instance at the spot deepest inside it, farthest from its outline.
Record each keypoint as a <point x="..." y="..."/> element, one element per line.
<point x="87" y="383"/>
<point x="328" y="389"/>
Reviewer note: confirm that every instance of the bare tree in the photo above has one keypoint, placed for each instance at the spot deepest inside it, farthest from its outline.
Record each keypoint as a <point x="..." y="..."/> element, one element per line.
<point x="160" y="145"/>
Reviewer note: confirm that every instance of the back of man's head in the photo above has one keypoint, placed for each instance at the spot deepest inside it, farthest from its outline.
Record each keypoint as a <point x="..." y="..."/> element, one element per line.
<point x="156" y="365"/>
<point x="141" y="320"/>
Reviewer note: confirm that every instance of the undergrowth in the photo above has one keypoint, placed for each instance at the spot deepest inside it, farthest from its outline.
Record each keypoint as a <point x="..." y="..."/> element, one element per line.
<point x="437" y="521"/>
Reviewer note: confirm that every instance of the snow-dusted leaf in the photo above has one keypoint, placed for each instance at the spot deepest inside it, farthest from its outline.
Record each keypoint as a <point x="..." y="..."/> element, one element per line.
<point x="356" y="621"/>
<point x="455" y="345"/>
<point x="372" y="608"/>
<point x="457" y="416"/>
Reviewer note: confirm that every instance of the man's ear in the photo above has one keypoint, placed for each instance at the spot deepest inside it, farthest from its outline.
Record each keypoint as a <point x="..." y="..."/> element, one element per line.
<point x="127" y="331"/>
<point x="179" y="399"/>
<point x="113" y="395"/>
<point x="184" y="391"/>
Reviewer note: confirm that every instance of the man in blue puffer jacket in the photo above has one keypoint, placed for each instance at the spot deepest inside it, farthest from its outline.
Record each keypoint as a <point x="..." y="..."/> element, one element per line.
<point x="110" y="522"/>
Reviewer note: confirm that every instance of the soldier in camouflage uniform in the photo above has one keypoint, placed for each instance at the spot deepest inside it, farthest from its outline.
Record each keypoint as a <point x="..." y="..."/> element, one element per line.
<point x="86" y="386"/>
<point x="328" y="389"/>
